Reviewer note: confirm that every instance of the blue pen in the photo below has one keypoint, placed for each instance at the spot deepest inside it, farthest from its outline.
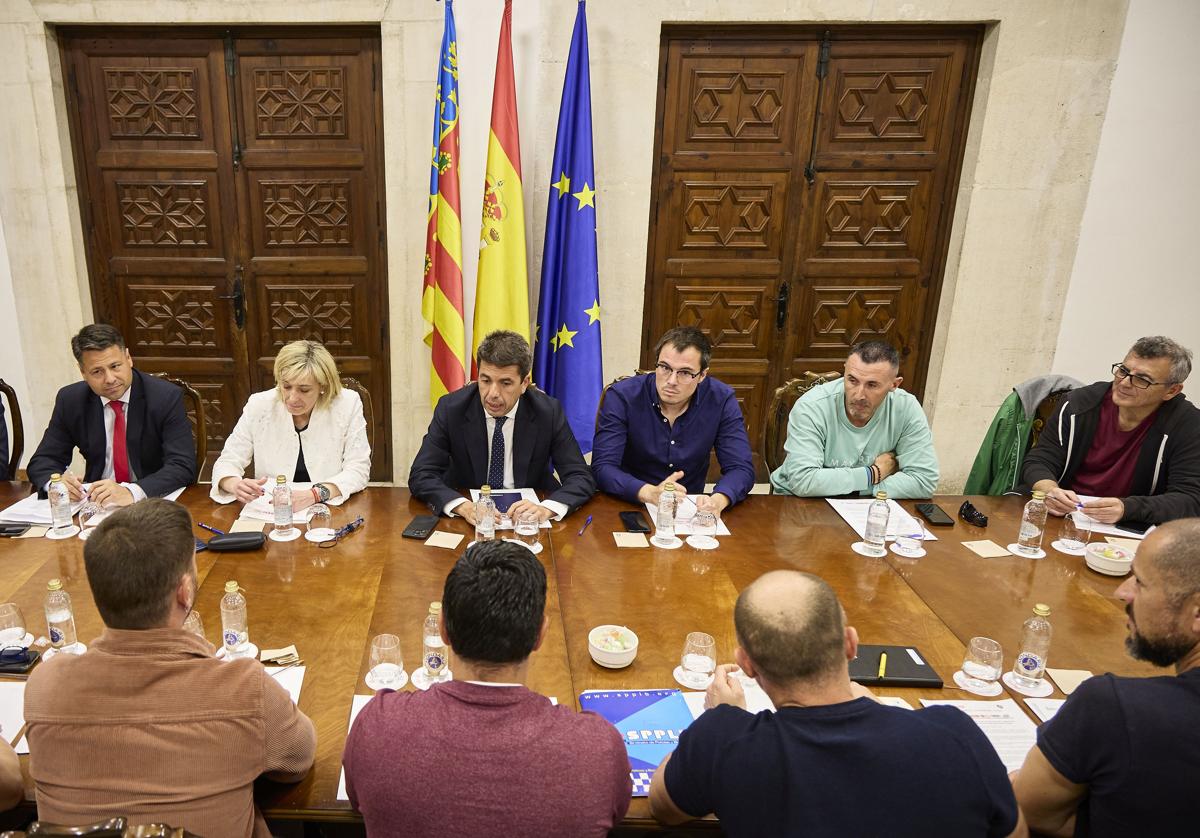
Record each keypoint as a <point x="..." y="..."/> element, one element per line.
<point x="586" y="524"/>
<point x="210" y="529"/>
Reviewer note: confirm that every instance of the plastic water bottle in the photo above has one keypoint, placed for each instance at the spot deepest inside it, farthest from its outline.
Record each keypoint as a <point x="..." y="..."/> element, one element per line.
<point x="1033" y="525"/>
<point x="60" y="620"/>
<point x="485" y="519"/>
<point x="60" y="503"/>
<point x="433" y="656"/>
<point x="664" y="524"/>
<point x="1030" y="667"/>
<point x="234" y="634"/>
<point x="875" y="535"/>
<point x="281" y="499"/>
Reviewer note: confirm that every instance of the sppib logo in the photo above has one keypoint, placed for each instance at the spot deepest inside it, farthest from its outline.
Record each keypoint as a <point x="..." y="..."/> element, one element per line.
<point x="231" y="638"/>
<point x="56" y="636"/>
<point x="1028" y="662"/>
<point x="434" y="661"/>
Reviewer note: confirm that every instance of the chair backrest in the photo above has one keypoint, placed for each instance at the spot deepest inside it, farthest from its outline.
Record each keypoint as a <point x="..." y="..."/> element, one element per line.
<point x="604" y="392"/>
<point x="1043" y="413"/>
<point x="194" y="404"/>
<point x="17" y="444"/>
<point x="775" y="434"/>
<point x="368" y="406"/>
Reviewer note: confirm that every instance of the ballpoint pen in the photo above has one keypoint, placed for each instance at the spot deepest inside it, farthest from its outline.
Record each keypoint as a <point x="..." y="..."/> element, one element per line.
<point x="210" y="529"/>
<point x="586" y="524"/>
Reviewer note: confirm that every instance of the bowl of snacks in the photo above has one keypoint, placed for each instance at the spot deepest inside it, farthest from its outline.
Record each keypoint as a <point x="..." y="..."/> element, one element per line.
<point x="1109" y="559"/>
<point x="613" y="647"/>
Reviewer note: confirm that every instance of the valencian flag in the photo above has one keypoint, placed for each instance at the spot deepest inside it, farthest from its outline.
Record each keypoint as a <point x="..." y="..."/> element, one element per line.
<point x="567" y="360"/>
<point x="441" y="295"/>
<point x="502" y="291"/>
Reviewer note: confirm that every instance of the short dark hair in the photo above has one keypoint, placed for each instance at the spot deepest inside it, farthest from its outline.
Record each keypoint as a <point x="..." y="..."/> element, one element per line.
<point x="874" y="351"/>
<point x="1160" y="346"/>
<point x="493" y="603"/>
<point x="686" y="337"/>
<point x="95" y="337"/>
<point x="135" y="560"/>
<point x="503" y="348"/>
<point x="802" y="643"/>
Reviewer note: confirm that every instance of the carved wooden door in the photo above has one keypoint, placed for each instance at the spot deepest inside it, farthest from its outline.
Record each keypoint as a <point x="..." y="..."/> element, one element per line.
<point x="803" y="194"/>
<point x="231" y="193"/>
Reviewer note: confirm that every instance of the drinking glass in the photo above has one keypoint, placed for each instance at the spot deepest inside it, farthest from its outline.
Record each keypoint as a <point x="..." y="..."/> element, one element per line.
<point x="90" y="516"/>
<point x="527" y="528"/>
<point x="704" y="526"/>
<point x="1076" y="531"/>
<point x="320" y="523"/>
<point x="12" y="626"/>
<point x="194" y="624"/>
<point x="698" y="661"/>
<point x="909" y="544"/>
<point x="387" y="666"/>
<point x="981" y="667"/>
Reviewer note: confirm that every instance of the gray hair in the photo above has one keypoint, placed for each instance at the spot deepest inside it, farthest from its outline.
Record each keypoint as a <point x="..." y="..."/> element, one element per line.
<point x="505" y="349"/>
<point x="1159" y="346"/>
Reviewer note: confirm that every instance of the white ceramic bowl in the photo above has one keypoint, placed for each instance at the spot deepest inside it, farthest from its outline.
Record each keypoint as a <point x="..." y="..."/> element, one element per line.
<point x="608" y="658"/>
<point x="1109" y="559"/>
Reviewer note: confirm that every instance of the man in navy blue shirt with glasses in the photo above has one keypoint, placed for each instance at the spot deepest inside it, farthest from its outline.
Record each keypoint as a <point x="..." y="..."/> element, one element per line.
<point x="661" y="428"/>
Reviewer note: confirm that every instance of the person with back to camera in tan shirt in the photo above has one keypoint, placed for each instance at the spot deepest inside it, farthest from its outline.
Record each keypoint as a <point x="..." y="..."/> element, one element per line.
<point x="148" y="724"/>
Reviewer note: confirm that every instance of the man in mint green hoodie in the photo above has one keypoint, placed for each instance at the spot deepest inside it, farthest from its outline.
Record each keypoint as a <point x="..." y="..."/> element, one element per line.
<point x="859" y="434"/>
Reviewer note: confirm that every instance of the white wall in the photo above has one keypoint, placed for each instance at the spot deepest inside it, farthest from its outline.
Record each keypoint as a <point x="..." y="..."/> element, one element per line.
<point x="1136" y="271"/>
<point x="12" y="357"/>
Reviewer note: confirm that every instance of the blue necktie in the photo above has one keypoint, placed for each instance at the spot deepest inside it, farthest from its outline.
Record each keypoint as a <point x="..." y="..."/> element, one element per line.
<point x="496" y="465"/>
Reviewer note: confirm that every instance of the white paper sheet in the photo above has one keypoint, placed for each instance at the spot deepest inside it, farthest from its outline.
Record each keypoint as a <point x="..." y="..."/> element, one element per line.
<point x="1009" y="730"/>
<point x="1110" y="529"/>
<point x="526" y="494"/>
<point x="30" y="510"/>
<point x="12" y="710"/>
<point x="356" y="706"/>
<point x="854" y="513"/>
<point x="683" y="517"/>
<point x="756" y="700"/>
<point x="290" y="678"/>
<point x="261" y="508"/>
<point x="1045" y="708"/>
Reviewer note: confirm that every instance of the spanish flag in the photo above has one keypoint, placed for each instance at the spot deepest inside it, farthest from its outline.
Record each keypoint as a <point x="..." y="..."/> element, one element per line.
<point x="502" y="291"/>
<point x="441" y="294"/>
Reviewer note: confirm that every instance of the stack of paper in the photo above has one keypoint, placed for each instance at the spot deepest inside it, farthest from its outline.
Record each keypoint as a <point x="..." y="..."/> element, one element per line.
<point x="854" y="513"/>
<point x="30" y="510"/>
<point x="261" y="508"/>
<point x="1009" y="730"/>
<point x="684" y="513"/>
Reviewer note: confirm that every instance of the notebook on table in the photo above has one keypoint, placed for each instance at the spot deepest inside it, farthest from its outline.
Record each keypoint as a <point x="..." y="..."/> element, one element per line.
<point x="906" y="667"/>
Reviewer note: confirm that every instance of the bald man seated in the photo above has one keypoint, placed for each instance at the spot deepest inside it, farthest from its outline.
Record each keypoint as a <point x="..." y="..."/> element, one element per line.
<point x="830" y="761"/>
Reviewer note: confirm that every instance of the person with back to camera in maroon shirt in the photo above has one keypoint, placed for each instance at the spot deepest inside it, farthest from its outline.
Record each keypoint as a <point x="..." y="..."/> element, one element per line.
<point x="482" y="754"/>
<point x="1132" y="443"/>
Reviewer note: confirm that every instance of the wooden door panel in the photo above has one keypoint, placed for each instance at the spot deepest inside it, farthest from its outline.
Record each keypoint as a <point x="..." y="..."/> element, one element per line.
<point x="727" y="222"/>
<point x="321" y="213"/>
<point x="866" y="219"/>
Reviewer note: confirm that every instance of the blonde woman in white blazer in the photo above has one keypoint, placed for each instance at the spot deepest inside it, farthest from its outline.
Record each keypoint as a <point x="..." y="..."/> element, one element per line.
<point x="308" y="427"/>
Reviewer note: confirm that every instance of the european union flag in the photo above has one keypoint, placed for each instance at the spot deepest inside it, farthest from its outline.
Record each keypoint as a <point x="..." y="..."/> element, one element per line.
<point x="567" y="358"/>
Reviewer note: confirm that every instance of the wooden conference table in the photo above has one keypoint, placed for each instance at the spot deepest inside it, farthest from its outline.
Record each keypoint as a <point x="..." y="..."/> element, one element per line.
<point x="331" y="602"/>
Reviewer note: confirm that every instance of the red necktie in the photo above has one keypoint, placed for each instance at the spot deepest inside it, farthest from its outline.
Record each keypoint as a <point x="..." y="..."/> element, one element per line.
<point x="120" y="455"/>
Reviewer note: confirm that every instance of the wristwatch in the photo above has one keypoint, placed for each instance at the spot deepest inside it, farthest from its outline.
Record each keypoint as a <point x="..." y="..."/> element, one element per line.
<point x="322" y="492"/>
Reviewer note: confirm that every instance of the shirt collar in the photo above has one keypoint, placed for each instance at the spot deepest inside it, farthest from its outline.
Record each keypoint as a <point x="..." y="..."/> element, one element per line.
<point x="511" y="415"/>
<point x="152" y="641"/>
<point x="124" y="397"/>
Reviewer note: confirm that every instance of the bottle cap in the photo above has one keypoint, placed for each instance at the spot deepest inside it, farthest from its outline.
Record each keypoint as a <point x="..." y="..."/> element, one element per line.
<point x="55" y="476"/>
<point x="668" y="487"/>
<point x="485" y="489"/>
<point x="231" y="587"/>
<point x="1042" y="609"/>
<point x="881" y="495"/>
<point x="280" y="480"/>
<point x="54" y="585"/>
<point x="435" y="608"/>
<point x="1039" y="495"/>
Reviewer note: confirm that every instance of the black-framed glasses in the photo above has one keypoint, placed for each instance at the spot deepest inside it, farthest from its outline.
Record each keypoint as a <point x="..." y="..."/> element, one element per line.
<point x="684" y="375"/>
<point x="1136" y="379"/>
<point x="341" y="533"/>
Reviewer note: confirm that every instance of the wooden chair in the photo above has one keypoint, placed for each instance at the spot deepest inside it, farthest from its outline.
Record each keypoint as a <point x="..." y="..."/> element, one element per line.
<point x="775" y="434"/>
<point x="604" y="392"/>
<point x="368" y="406"/>
<point x="194" y="404"/>
<point x="17" y="444"/>
<point x="111" y="828"/>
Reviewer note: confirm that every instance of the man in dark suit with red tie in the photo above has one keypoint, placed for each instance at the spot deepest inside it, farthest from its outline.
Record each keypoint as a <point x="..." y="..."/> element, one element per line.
<point x="131" y="428"/>
<point x="499" y="431"/>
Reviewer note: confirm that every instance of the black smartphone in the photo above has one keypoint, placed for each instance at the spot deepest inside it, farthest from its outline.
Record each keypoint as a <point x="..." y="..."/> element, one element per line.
<point x="935" y="515"/>
<point x="420" y="527"/>
<point x="634" y="522"/>
<point x="19" y="664"/>
<point x="13" y="530"/>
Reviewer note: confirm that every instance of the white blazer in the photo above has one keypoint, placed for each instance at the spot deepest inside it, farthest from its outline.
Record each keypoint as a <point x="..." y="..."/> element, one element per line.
<point x="335" y="445"/>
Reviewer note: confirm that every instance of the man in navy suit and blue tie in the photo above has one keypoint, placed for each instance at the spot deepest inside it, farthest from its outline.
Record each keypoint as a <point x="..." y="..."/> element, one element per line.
<point x="500" y="432"/>
<point x="131" y="428"/>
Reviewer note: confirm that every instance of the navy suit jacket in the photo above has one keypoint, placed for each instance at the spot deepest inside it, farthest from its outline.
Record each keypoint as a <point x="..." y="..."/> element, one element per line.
<point x="158" y="435"/>
<point x="455" y="451"/>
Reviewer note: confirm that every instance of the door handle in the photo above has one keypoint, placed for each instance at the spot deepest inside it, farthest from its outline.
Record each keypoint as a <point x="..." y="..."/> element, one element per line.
<point x="239" y="299"/>
<point x="781" y="305"/>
